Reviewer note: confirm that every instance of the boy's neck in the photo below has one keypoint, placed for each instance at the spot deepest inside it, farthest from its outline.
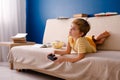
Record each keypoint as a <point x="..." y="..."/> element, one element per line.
<point x="75" y="38"/>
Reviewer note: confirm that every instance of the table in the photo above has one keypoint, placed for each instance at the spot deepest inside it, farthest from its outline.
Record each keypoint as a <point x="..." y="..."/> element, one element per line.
<point x="12" y="44"/>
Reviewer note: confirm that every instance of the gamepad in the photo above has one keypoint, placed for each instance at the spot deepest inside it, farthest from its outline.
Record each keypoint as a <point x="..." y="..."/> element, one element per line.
<point x="52" y="57"/>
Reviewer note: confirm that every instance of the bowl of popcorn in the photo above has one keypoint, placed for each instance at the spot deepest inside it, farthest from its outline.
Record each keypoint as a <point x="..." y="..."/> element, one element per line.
<point x="57" y="44"/>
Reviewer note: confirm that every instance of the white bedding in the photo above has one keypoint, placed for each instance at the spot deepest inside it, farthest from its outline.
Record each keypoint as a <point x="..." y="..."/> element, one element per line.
<point x="103" y="65"/>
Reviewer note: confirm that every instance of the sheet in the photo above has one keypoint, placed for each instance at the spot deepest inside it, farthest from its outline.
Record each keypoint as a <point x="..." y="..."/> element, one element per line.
<point x="103" y="65"/>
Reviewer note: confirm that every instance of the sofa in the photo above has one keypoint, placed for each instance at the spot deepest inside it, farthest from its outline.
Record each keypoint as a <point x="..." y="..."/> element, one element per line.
<point x="102" y="65"/>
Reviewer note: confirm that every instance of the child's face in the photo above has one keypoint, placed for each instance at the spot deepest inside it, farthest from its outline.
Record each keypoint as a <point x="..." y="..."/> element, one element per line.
<point x="74" y="31"/>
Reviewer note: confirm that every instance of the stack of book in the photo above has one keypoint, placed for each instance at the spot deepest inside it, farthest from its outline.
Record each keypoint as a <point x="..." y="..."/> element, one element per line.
<point x="80" y="15"/>
<point x="19" y="38"/>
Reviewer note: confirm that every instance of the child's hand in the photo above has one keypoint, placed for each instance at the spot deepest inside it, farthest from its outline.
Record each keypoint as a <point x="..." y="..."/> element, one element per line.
<point x="60" y="59"/>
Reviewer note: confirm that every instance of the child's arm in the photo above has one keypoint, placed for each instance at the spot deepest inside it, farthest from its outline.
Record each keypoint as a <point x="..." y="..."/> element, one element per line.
<point x="74" y="59"/>
<point x="77" y="58"/>
<point x="67" y="51"/>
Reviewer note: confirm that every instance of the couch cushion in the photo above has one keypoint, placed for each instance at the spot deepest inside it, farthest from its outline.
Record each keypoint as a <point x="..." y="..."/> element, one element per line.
<point x="109" y="23"/>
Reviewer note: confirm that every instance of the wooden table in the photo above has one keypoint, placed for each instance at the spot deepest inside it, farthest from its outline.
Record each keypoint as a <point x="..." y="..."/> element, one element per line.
<point x="12" y="44"/>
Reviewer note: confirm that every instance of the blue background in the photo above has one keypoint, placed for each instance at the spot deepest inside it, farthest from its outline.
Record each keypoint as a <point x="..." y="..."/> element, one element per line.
<point x="38" y="11"/>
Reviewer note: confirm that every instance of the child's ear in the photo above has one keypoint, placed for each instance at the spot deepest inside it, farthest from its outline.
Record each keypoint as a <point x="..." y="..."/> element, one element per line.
<point x="82" y="33"/>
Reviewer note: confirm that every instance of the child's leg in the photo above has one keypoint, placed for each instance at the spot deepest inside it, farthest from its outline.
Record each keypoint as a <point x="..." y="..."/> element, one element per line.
<point x="102" y="37"/>
<point x="101" y="41"/>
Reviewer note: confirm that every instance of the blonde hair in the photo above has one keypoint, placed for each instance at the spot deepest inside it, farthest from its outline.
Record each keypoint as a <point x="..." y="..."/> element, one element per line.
<point x="83" y="25"/>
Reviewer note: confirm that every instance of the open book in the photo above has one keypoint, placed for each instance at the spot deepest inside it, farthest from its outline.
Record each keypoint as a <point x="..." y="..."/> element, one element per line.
<point x="19" y="38"/>
<point x="19" y="35"/>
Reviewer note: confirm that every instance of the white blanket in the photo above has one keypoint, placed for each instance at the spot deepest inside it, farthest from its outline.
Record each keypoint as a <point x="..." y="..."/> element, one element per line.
<point x="103" y="65"/>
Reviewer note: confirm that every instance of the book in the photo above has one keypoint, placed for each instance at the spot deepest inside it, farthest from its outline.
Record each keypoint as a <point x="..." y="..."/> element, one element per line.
<point x="111" y="13"/>
<point x="80" y="15"/>
<point x="105" y="14"/>
<point x="19" y="38"/>
<point x="19" y="35"/>
<point x="62" y="18"/>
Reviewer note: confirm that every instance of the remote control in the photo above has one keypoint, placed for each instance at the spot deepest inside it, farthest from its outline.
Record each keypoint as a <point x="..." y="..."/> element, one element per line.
<point x="52" y="57"/>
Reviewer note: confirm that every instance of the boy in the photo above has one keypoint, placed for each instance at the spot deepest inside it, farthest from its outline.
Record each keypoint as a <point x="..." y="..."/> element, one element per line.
<point x="79" y="43"/>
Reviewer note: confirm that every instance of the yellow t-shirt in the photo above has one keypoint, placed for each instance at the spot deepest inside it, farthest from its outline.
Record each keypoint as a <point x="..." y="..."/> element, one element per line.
<point x="82" y="44"/>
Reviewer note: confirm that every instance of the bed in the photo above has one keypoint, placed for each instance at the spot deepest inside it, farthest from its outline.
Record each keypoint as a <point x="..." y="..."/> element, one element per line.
<point x="103" y="65"/>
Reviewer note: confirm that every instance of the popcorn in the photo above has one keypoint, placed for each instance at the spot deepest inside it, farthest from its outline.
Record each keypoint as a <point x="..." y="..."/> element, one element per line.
<point x="57" y="44"/>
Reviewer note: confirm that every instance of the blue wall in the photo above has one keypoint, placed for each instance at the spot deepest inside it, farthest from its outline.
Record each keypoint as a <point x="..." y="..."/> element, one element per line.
<point x="38" y="11"/>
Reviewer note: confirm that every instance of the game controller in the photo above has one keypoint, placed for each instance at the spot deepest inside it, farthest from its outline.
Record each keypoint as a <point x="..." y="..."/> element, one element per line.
<point x="52" y="57"/>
